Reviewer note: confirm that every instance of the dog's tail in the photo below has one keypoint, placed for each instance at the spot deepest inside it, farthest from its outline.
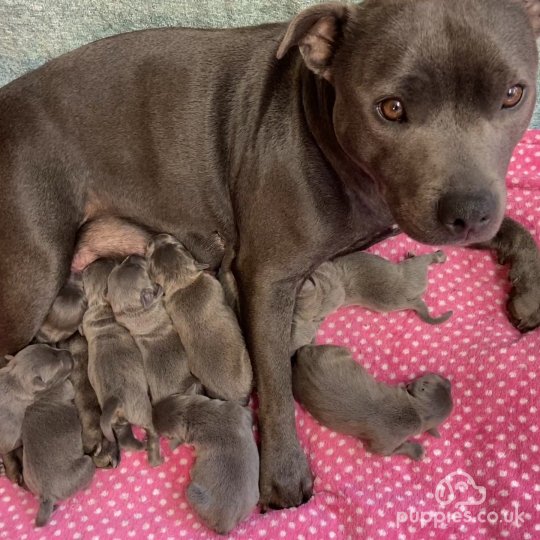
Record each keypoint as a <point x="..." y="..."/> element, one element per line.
<point x="422" y="310"/>
<point x="46" y="508"/>
<point x="109" y="415"/>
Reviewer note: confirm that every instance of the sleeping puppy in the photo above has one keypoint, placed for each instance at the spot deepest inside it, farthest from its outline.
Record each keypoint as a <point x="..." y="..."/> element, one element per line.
<point x="66" y="313"/>
<point x="137" y="305"/>
<point x="366" y="280"/>
<point x="54" y="464"/>
<point x="115" y="367"/>
<point x="207" y="325"/>
<point x="343" y="396"/>
<point x="225" y="478"/>
<point x="29" y="373"/>
<point x="104" y="453"/>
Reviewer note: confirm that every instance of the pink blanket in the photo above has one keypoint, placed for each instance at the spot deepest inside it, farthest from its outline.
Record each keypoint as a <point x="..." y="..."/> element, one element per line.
<point x="480" y="480"/>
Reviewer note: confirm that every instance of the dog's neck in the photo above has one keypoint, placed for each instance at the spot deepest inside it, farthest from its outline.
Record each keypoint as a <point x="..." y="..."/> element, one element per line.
<point x="361" y="187"/>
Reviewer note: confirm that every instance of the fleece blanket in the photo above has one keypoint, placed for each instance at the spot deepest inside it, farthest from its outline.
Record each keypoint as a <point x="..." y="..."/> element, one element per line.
<point x="481" y="479"/>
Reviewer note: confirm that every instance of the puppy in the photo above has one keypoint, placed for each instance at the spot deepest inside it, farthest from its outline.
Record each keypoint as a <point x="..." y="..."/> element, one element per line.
<point x="104" y="453"/>
<point x="137" y="305"/>
<point x="54" y="464"/>
<point x="29" y="373"/>
<point x="207" y="326"/>
<point x="66" y="313"/>
<point x="343" y="396"/>
<point x="115" y="367"/>
<point x="366" y="280"/>
<point x="224" y="480"/>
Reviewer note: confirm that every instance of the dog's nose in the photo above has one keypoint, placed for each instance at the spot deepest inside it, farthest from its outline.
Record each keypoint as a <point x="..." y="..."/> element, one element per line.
<point x="466" y="213"/>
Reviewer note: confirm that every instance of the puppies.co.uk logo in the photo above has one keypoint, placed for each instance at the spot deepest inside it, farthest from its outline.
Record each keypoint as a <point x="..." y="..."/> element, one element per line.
<point x="460" y="500"/>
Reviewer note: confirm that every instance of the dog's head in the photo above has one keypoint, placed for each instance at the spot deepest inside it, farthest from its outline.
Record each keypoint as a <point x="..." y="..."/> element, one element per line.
<point x="39" y="367"/>
<point x="432" y="395"/>
<point x="130" y="288"/>
<point x="170" y="264"/>
<point x="431" y="96"/>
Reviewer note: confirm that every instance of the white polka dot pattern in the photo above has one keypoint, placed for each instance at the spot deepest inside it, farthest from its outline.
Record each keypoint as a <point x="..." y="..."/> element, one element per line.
<point x="493" y="435"/>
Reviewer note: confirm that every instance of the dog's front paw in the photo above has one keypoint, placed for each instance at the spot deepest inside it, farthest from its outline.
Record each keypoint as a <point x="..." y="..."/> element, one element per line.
<point x="524" y="301"/>
<point x="106" y="455"/>
<point x="286" y="479"/>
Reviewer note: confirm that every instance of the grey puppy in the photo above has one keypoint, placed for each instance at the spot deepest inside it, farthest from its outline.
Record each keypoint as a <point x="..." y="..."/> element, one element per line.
<point x="30" y="372"/>
<point x="115" y="367"/>
<point x="343" y="396"/>
<point x="66" y="312"/>
<point x="366" y="280"/>
<point x="224" y="480"/>
<point x="54" y="464"/>
<point x="104" y="453"/>
<point x="137" y="305"/>
<point x="207" y="325"/>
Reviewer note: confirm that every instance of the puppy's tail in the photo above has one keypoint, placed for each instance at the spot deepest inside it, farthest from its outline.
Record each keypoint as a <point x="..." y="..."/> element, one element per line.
<point x="109" y="415"/>
<point x="46" y="508"/>
<point x="422" y="310"/>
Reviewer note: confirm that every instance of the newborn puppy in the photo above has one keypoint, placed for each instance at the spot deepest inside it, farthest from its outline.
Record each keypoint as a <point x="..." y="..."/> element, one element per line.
<point x="366" y="280"/>
<point x="54" y="464"/>
<point x="104" y="453"/>
<point x="137" y="305"/>
<point x="343" y="396"/>
<point x="30" y="372"/>
<point x="207" y="326"/>
<point x="224" y="480"/>
<point x="66" y="313"/>
<point x="115" y="367"/>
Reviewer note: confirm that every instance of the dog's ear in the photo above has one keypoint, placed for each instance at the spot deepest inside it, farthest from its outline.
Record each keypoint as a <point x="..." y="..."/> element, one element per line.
<point x="316" y="31"/>
<point x="532" y="7"/>
<point x="148" y="297"/>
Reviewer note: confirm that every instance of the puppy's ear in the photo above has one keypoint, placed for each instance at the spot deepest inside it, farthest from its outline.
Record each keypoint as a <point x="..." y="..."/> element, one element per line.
<point x="316" y="31"/>
<point x="158" y="291"/>
<point x="9" y="357"/>
<point x="532" y="7"/>
<point x="202" y="266"/>
<point x="148" y="297"/>
<point x="434" y="432"/>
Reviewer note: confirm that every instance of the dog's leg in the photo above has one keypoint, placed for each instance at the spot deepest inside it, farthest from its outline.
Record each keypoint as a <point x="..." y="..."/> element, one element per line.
<point x="285" y="479"/>
<point x="515" y="246"/>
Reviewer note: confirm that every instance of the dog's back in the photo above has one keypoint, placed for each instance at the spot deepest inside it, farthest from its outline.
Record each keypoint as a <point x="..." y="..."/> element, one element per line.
<point x="343" y="396"/>
<point x="54" y="464"/>
<point x="224" y="488"/>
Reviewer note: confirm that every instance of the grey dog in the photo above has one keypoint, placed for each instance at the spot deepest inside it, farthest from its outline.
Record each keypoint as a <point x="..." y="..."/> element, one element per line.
<point x="66" y="313"/>
<point x="31" y="371"/>
<point x="115" y="367"/>
<point x="137" y="305"/>
<point x="54" y="464"/>
<point x="297" y="141"/>
<point x="224" y="480"/>
<point x="104" y="453"/>
<point x="207" y="325"/>
<point x="343" y="396"/>
<point x="365" y="280"/>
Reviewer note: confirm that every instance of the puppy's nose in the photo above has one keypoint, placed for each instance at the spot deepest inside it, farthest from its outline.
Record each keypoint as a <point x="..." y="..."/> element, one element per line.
<point x="466" y="213"/>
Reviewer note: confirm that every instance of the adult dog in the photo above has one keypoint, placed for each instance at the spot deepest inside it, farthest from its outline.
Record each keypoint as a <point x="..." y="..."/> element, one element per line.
<point x="295" y="142"/>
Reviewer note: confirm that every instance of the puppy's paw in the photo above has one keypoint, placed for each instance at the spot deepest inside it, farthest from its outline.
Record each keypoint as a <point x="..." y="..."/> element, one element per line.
<point x="416" y="451"/>
<point x="106" y="455"/>
<point x="439" y="256"/>
<point x="286" y="479"/>
<point x="524" y="301"/>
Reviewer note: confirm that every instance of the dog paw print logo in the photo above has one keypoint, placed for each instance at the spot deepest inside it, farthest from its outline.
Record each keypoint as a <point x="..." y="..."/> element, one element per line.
<point x="460" y="489"/>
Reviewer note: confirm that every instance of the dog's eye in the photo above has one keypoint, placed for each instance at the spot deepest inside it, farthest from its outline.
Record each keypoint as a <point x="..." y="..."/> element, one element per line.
<point x="513" y="96"/>
<point x="392" y="109"/>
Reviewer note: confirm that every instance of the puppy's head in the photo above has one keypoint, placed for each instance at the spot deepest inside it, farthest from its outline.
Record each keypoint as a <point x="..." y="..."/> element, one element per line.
<point x="65" y="314"/>
<point x="39" y="367"/>
<point x="94" y="279"/>
<point x="433" y="397"/>
<point x="429" y="99"/>
<point x="130" y="288"/>
<point x="170" y="263"/>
